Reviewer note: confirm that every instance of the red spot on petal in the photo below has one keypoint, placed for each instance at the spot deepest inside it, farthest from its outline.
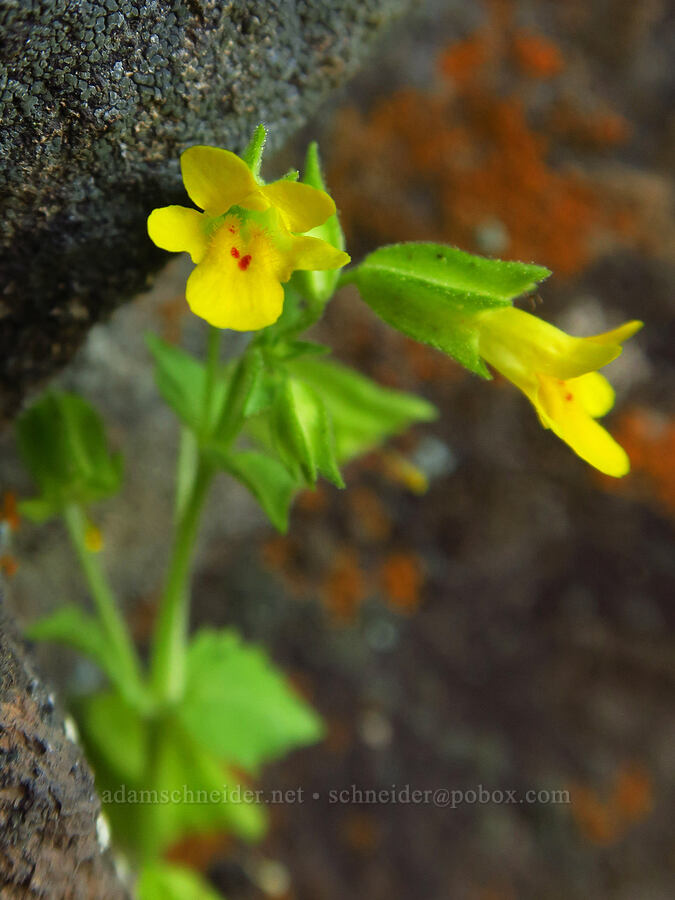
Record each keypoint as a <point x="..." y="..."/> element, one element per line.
<point x="245" y="262"/>
<point x="232" y="229"/>
<point x="569" y="396"/>
<point x="235" y="252"/>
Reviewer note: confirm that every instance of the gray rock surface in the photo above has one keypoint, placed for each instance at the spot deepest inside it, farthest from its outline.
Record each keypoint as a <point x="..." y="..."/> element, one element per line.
<point x="53" y="840"/>
<point x="97" y="100"/>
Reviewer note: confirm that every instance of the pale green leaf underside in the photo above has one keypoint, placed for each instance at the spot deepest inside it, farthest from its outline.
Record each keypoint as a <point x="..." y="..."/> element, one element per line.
<point x="430" y="293"/>
<point x="362" y="412"/>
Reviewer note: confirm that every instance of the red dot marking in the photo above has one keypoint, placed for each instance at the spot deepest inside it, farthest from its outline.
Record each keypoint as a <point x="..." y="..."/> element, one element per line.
<point x="245" y="262"/>
<point x="235" y="252"/>
<point x="568" y="396"/>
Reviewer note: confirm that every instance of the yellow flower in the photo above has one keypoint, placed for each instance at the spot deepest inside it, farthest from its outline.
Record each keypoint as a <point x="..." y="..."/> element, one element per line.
<point x="247" y="241"/>
<point x="558" y="374"/>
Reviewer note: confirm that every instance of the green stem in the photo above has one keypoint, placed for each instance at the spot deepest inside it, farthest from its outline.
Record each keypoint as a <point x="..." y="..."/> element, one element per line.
<point x="168" y="658"/>
<point x="171" y="632"/>
<point x="212" y="359"/>
<point x="123" y="651"/>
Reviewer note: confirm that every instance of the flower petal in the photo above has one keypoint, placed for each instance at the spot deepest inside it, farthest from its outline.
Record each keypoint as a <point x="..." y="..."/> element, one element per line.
<point x="177" y="228"/>
<point x="312" y="253"/>
<point x="216" y="179"/>
<point x="617" y="335"/>
<point x="511" y="336"/>
<point x="572" y="423"/>
<point x="237" y="285"/>
<point x="301" y="206"/>
<point x="594" y="392"/>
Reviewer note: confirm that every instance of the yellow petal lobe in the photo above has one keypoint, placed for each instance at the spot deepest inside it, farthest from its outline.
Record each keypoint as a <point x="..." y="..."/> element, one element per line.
<point x="215" y="179"/>
<point x="238" y="285"/>
<point x="594" y="392"/>
<point x="301" y="206"/>
<point x="565" y="415"/>
<point x="179" y="229"/>
<point x="617" y="335"/>
<point x="312" y="253"/>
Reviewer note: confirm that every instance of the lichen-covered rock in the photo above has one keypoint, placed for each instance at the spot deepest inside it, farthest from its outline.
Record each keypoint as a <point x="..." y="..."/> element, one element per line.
<point x="97" y="99"/>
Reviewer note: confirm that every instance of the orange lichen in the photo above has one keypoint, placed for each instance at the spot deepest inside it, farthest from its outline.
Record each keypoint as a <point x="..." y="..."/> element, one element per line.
<point x="277" y="552"/>
<point x="594" y="818"/>
<point x="172" y="313"/>
<point x="604" y="821"/>
<point x="649" y="440"/>
<point x="402" y="580"/>
<point x="536" y="56"/>
<point x="461" y="61"/>
<point x="633" y="794"/>
<point x="313" y="500"/>
<point x="8" y="565"/>
<point x="344" y="587"/>
<point x="585" y="130"/>
<point x="371" y="518"/>
<point x="462" y="163"/>
<point x="427" y="364"/>
<point x="9" y="512"/>
<point x="361" y="832"/>
<point x="199" y="851"/>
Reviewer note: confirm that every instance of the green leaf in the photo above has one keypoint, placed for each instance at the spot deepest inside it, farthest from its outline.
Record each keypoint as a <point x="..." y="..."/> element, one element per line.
<point x="165" y="881"/>
<point x="104" y="719"/>
<point x="181" y="380"/>
<point x="362" y="412"/>
<point x="62" y="442"/>
<point x="320" y="286"/>
<point x="192" y="774"/>
<point x="40" y="509"/>
<point x="303" y="432"/>
<point x="75" y="628"/>
<point x="266" y="478"/>
<point x="431" y="292"/>
<point x="253" y="153"/>
<point x="239" y="706"/>
<point x="186" y="790"/>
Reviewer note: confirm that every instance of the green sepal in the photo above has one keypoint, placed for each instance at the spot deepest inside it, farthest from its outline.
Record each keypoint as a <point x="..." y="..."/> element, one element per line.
<point x="167" y="881"/>
<point x="285" y="351"/>
<point x="303" y="433"/>
<point x="431" y="293"/>
<point x="239" y="706"/>
<point x="268" y="479"/>
<point x="363" y="413"/>
<point x="247" y="395"/>
<point x="62" y="442"/>
<point x="320" y="286"/>
<point x="253" y="153"/>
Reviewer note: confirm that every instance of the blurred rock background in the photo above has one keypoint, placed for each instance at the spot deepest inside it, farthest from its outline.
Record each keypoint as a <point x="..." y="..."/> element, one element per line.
<point x="513" y="627"/>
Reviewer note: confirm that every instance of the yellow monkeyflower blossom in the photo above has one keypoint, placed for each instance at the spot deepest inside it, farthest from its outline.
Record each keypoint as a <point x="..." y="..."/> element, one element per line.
<point x="557" y="373"/>
<point x="247" y="241"/>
